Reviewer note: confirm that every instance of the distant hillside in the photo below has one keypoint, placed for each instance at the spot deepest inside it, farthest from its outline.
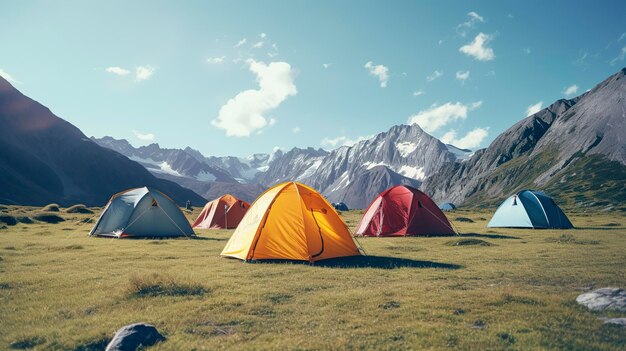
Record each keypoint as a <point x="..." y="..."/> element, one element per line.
<point x="574" y="149"/>
<point x="45" y="159"/>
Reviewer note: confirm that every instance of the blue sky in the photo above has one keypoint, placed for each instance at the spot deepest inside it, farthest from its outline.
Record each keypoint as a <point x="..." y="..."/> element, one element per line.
<point x="240" y="77"/>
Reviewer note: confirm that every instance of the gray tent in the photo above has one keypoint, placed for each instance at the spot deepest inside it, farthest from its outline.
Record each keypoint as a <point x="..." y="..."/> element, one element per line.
<point x="141" y="212"/>
<point x="447" y="206"/>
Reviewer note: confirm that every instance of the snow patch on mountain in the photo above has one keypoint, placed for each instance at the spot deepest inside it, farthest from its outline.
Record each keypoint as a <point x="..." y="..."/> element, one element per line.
<point x="460" y="154"/>
<point x="370" y="165"/>
<point x="311" y="170"/>
<point x="206" y="177"/>
<point x="406" y="148"/>
<point x="412" y="172"/>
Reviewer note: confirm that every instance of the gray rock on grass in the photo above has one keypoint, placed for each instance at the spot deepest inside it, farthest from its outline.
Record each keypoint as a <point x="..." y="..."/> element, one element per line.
<point x="132" y="336"/>
<point x="611" y="299"/>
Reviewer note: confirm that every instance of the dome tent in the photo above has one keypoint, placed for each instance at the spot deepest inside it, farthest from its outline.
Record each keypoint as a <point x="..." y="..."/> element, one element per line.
<point x="447" y="206"/>
<point x="290" y="221"/>
<point x="141" y="212"/>
<point x="225" y="212"/>
<point x="403" y="211"/>
<point x="340" y="206"/>
<point x="529" y="209"/>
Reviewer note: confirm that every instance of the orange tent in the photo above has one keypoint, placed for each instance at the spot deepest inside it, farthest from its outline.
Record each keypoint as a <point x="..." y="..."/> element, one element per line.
<point x="291" y="222"/>
<point x="222" y="213"/>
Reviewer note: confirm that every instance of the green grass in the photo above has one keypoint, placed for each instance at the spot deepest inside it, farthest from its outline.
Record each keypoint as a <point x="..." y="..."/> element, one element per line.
<point x="62" y="290"/>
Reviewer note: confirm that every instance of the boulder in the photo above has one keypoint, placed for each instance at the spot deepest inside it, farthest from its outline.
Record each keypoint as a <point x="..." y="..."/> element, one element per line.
<point x="132" y="336"/>
<point x="613" y="299"/>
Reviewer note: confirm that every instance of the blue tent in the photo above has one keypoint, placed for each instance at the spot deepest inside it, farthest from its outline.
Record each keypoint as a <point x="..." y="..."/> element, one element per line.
<point x="447" y="206"/>
<point x="340" y="206"/>
<point x="530" y="209"/>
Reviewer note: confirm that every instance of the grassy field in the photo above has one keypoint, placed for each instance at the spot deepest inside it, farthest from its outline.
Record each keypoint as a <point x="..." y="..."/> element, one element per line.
<point x="485" y="289"/>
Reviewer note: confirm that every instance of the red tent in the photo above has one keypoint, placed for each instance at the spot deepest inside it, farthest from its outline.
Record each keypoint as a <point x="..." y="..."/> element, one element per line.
<point x="403" y="211"/>
<point x="222" y="213"/>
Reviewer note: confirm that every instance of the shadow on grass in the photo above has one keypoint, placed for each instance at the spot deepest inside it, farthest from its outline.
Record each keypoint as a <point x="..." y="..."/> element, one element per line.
<point x="382" y="262"/>
<point x="207" y="238"/>
<point x="488" y="236"/>
<point x="598" y="228"/>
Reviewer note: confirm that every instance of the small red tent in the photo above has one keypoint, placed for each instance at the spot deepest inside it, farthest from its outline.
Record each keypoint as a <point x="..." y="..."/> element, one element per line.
<point x="222" y="213"/>
<point x="403" y="211"/>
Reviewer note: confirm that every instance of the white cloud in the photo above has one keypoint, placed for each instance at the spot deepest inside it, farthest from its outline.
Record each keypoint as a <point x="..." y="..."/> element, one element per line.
<point x="118" y="70"/>
<point x="216" y="60"/>
<point x="262" y="35"/>
<point x="491" y="73"/>
<point x="418" y="93"/>
<point x="436" y="74"/>
<point x="534" y="108"/>
<point x="510" y="15"/>
<point x="243" y="114"/>
<point x="581" y="59"/>
<point x="258" y="44"/>
<point x="571" y="90"/>
<point x="462" y="76"/>
<point x="326" y="65"/>
<point x="619" y="57"/>
<point x="272" y="121"/>
<point x="144" y="136"/>
<point x="4" y="74"/>
<point x="527" y="51"/>
<point x="474" y="18"/>
<point x="436" y="117"/>
<point x="471" y="140"/>
<point x="241" y="42"/>
<point x="343" y="141"/>
<point x="379" y="71"/>
<point x="295" y="130"/>
<point x="440" y="42"/>
<point x="144" y="72"/>
<point x="622" y="37"/>
<point x="478" y="48"/>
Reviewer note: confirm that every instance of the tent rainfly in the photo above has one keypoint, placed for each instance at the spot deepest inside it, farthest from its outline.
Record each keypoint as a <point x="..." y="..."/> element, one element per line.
<point x="224" y="212"/>
<point x="290" y="221"/>
<point x="141" y="212"/>
<point x="530" y="209"/>
<point x="403" y="211"/>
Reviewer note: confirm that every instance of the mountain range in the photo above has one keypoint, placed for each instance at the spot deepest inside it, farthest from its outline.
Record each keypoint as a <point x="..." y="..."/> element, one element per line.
<point x="45" y="159"/>
<point x="574" y="149"/>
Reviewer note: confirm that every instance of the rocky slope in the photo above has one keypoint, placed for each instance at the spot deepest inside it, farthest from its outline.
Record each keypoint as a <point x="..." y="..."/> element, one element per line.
<point x="549" y="150"/>
<point x="45" y="159"/>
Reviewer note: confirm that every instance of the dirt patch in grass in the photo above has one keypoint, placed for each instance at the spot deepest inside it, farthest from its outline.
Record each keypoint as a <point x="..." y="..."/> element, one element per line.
<point x="51" y="208"/>
<point x="389" y="305"/>
<point x="50" y="218"/>
<point x="278" y="298"/>
<point x="27" y="342"/>
<point x="8" y="219"/>
<point x="93" y="345"/>
<point x="523" y="300"/>
<point x="79" y="209"/>
<point x="468" y="242"/>
<point x="68" y="247"/>
<point x="570" y="239"/>
<point x="162" y="285"/>
<point x="464" y="219"/>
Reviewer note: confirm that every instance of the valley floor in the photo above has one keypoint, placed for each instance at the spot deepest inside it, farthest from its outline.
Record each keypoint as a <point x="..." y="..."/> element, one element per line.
<point x="505" y="288"/>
